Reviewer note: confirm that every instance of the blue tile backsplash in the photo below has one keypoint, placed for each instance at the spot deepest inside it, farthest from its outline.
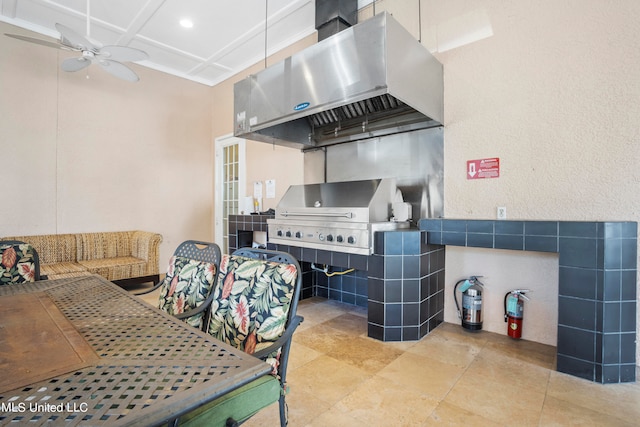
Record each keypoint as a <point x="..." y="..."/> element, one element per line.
<point x="596" y="284"/>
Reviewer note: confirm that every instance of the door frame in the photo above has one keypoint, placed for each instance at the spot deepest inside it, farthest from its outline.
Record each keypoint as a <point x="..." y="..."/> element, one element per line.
<point x="218" y="220"/>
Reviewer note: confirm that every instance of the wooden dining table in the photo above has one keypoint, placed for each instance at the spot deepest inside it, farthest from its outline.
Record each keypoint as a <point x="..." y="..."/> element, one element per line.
<point x="83" y="351"/>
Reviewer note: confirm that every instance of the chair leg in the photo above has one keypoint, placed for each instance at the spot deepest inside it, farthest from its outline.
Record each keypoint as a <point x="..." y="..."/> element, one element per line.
<point x="283" y="411"/>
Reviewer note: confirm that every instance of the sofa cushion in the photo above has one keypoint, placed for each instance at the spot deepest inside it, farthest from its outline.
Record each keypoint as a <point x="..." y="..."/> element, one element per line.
<point x="251" y="303"/>
<point x="68" y="269"/>
<point x="116" y="268"/>
<point x="186" y="286"/>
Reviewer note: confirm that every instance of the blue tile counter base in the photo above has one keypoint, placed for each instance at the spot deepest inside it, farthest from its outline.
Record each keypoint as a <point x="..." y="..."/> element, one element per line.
<point x="596" y="285"/>
<point x="401" y="284"/>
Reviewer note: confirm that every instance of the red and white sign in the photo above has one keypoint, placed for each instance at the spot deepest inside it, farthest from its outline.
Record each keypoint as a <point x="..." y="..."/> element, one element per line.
<point x="483" y="168"/>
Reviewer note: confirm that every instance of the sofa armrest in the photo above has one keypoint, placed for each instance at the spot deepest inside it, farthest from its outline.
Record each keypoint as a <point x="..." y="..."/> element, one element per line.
<point x="146" y="245"/>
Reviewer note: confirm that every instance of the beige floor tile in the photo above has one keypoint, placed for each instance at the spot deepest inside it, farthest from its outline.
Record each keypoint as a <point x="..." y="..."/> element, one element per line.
<point x="303" y="407"/>
<point x="442" y="348"/>
<point x="300" y="355"/>
<point x="349" y="323"/>
<point x="560" y="413"/>
<point x="422" y="374"/>
<point x="364" y="353"/>
<point x="496" y="399"/>
<point x="335" y="418"/>
<point x="452" y="377"/>
<point x="327" y="379"/>
<point x="500" y="368"/>
<point x="617" y="400"/>
<point x="528" y="351"/>
<point x="379" y="401"/>
<point x="456" y="332"/>
<point x="447" y="414"/>
<point x="315" y="311"/>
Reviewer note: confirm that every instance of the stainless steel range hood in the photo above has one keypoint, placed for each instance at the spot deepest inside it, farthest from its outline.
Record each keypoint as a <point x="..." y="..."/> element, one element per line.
<point x="369" y="80"/>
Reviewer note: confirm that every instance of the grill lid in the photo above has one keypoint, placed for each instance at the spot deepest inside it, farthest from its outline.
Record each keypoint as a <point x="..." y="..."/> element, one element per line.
<point x="348" y="201"/>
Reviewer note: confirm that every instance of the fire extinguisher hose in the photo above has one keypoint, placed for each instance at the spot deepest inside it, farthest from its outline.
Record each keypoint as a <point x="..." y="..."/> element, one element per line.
<point x="505" y="305"/>
<point x="473" y="280"/>
<point x="455" y="297"/>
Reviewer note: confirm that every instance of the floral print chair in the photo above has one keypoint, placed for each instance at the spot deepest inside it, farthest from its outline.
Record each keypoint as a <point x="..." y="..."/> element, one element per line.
<point x="19" y="263"/>
<point x="253" y="309"/>
<point x="186" y="291"/>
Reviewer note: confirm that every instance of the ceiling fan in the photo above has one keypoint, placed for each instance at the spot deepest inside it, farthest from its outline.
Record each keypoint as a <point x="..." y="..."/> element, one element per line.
<point x="110" y="58"/>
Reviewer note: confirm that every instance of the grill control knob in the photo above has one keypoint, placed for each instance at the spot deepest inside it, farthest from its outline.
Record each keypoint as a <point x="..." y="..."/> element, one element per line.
<point x="329" y="238"/>
<point x="298" y="235"/>
<point x="339" y="239"/>
<point x="288" y="234"/>
<point x="279" y="233"/>
<point x="351" y="240"/>
<point x="321" y="237"/>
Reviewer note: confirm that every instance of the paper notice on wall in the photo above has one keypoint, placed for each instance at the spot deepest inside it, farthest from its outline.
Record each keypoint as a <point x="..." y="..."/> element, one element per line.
<point x="257" y="190"/>
<point x="271" y="188"/>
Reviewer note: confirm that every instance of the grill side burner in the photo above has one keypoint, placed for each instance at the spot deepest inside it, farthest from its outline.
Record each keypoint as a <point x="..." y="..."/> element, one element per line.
<point x="337" y="216"/>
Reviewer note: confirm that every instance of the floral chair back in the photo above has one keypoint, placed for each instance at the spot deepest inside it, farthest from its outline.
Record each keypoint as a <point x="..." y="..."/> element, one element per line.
<point x="19" y="263"/>
<point x="185" y="291"/>
<point x="254" y="308"/>
<point x="254" y="302"/>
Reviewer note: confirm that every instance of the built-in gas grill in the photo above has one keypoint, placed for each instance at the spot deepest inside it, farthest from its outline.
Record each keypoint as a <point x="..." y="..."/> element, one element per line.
<point x="336" y="216"/>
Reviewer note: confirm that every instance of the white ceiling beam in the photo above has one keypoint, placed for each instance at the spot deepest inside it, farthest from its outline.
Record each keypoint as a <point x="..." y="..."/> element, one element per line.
<point x="144" y="15"/>
<point x="252" y="32"/>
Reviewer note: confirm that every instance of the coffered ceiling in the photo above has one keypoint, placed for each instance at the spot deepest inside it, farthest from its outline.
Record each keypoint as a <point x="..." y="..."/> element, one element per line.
<point x="227" y="36"/>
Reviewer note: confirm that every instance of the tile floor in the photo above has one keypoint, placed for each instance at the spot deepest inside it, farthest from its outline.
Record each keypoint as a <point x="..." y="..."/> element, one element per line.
<point x="340" y="377"/>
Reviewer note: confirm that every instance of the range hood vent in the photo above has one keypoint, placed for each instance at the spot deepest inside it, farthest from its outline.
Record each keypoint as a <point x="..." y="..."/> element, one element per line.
<point x="369" y="80"/>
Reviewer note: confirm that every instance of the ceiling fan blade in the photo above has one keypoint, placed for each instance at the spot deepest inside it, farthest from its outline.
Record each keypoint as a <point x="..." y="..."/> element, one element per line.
<point x="123" y="53"/>
<point x="75" y="64"/>
<point x="39" y="41"/>
<point x="119" y="70"/>
<point x="75" y="40"/>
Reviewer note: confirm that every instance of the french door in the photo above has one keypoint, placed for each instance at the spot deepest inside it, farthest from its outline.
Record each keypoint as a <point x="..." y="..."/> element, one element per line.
<point x="229" y="186"/>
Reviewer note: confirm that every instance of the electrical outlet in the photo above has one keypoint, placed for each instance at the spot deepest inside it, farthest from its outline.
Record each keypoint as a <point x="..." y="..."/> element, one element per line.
<point x="502" y="212"/>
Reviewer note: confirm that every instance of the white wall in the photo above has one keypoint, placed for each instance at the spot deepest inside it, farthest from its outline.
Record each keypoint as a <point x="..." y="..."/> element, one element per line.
<point x="553" y="91"/>
<point x="101" y="154"/>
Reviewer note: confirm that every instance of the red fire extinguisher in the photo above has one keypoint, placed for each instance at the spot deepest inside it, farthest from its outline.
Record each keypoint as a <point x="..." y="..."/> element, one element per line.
<point x="513" y="311"/>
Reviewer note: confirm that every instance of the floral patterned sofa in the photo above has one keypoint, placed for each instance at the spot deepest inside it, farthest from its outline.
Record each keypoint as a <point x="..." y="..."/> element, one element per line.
<point x="120" y="256"/>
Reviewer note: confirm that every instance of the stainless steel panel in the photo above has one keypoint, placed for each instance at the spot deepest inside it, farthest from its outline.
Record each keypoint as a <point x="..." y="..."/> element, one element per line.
<point x="353" y="201"/>
<point x="346" y="237"/>
<point x="414" y="159"/>
<point x="355" y="238"/>
<point x="347" y="65"/>
<point x="369" y="80"/>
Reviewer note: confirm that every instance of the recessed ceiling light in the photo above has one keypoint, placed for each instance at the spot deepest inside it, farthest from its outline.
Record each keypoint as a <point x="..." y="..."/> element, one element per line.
<point x="186" y="23"/>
